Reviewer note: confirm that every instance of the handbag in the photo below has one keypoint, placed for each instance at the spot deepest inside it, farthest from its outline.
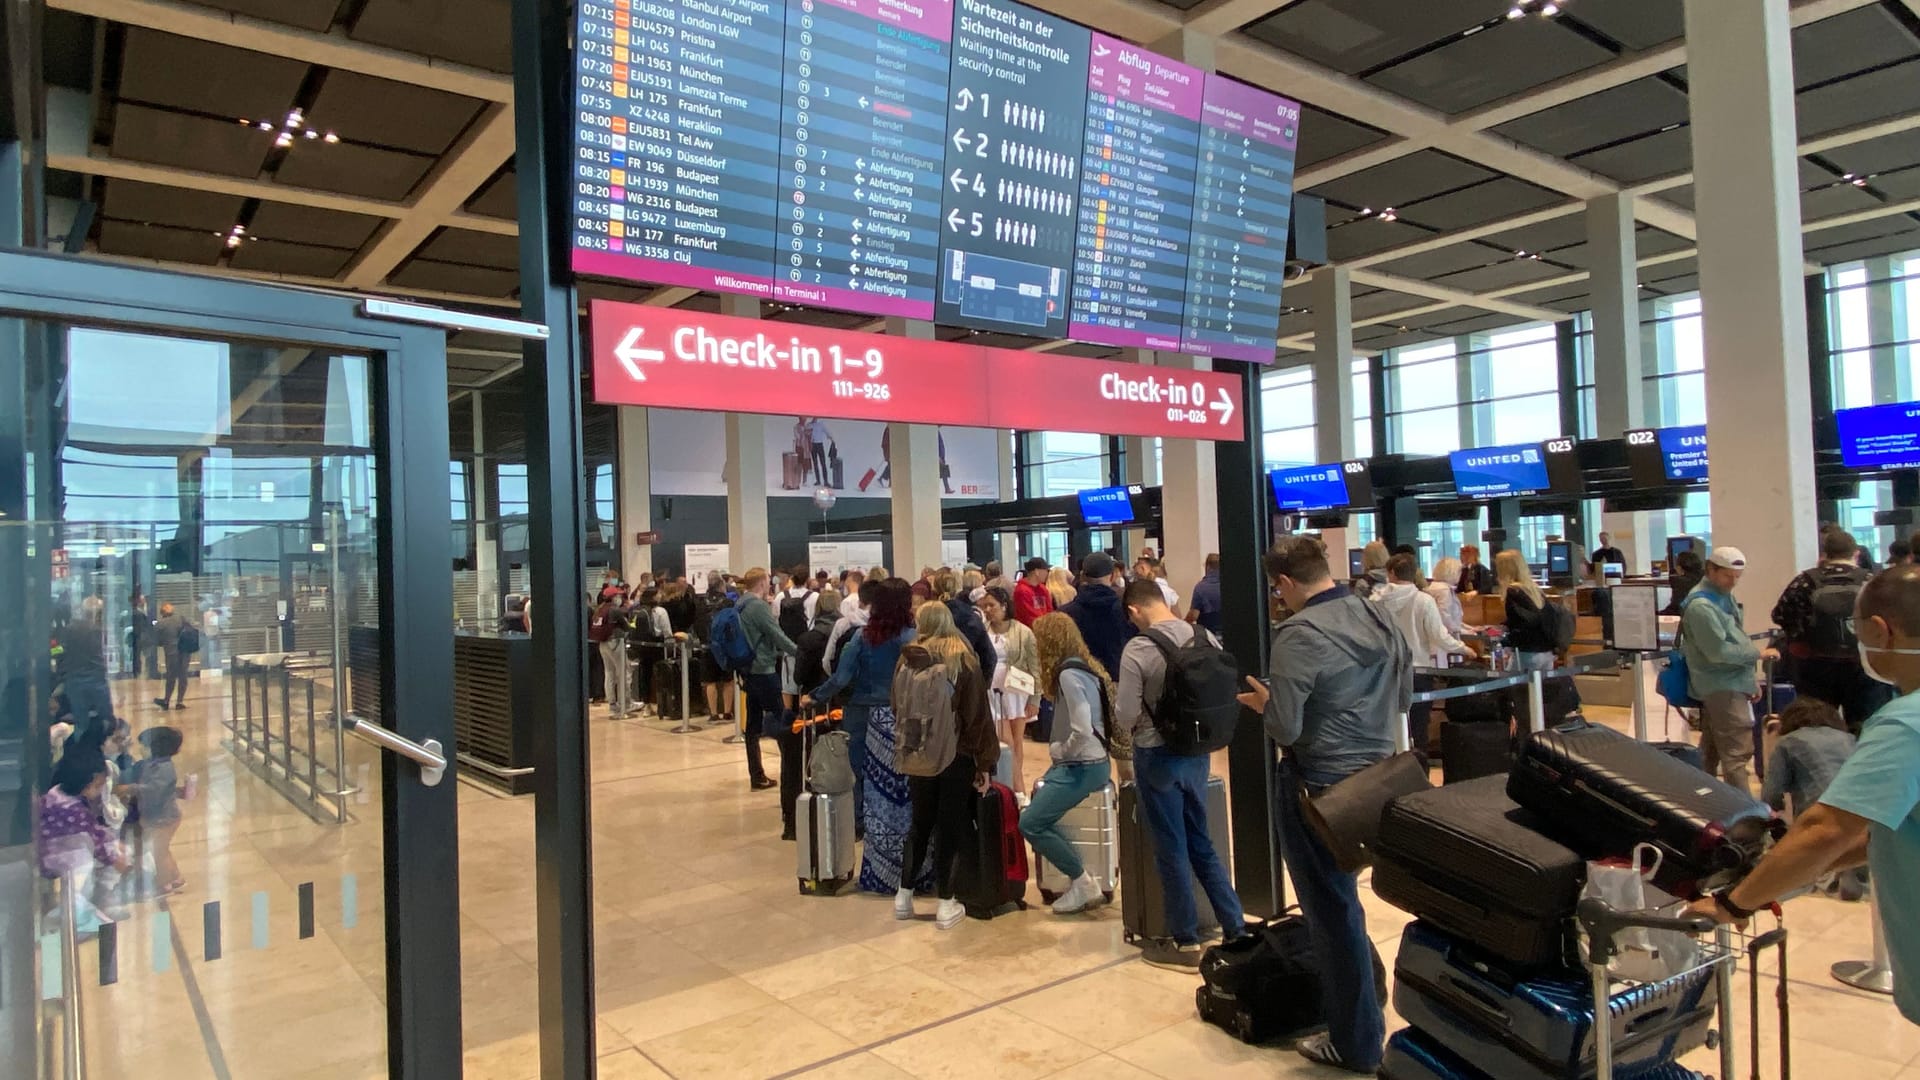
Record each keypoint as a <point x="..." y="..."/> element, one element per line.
<point x="1346" y="815"/>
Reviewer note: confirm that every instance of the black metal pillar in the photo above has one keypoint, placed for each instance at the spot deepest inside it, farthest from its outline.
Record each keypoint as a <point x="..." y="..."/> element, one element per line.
<point x="562" y="819"/>
<point x="1399" y="522"/>
<point x="1567" y="357"/>
<point x="1503" y="518"/>
<point x="1244" y="624"/>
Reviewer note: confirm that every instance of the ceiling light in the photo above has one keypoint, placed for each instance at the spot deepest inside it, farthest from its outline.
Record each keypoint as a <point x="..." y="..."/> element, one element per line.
<point x="1519" y="254"/>
<point x="1860" y="182"/>
<point x="233" y="241"/>
<point x="285" y="139"/>
<point x="332" y="138"/>
<point x="1515" y="13"/>
<point x="296" y="118"/>
<point x="244" y="122"/>
<point x="1550" y="10"/>
<point x="264" y="126"/>
<point x="1389" y="215"/>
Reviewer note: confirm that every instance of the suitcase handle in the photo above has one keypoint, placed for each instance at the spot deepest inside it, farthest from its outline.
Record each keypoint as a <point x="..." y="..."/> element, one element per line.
<point x="1602" y="922"/>
<point x="1477" y="999"/>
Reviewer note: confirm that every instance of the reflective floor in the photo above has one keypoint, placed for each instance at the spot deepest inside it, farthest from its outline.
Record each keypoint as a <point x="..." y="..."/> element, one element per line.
<point x="710" y="964"/>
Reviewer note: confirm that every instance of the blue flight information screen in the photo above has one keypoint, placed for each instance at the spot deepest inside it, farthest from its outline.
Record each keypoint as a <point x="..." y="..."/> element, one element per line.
<point x="1880" y="436"/>
<point x="1683" y="450"/>
<point x="1311" y="487"/>
<point x="1497" y="471"/>
<point x="1106" y="506"/>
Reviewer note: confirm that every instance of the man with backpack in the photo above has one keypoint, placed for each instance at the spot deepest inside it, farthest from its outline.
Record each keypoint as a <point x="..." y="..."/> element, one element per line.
<point x="605" y="630"/>
<point x="1720" y="658"/>
<point x="754" y="623"/>
<point x="1175" y="707"/>
<point x="1815" y="617"/>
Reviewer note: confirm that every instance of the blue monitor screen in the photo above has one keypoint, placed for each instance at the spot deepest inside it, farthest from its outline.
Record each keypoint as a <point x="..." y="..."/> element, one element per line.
<point x="1495" y="471"/>
<point x="1880" y="436"/>
<point x="1309" y="487"/>
<point x="1684" y="449"/>
<point x="1106" y="506"/>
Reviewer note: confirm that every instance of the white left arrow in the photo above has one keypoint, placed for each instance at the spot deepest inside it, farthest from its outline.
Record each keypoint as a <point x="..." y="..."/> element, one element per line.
<point x="1223" y="405"/>
<point x="631" y="356"/>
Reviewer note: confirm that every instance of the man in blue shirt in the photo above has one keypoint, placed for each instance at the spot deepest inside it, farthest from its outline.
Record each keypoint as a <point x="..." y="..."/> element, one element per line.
<point x="1871" y="812"/>
<point x="1204" y="608"/>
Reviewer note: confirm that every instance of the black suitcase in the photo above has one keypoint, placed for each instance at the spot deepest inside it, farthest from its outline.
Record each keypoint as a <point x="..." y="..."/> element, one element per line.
<point x="1143" y="903"/>
<point x="1686" y="752"/>
<point x="1413" y="1055"/>
<point x="1541" y="1028"/>
<point x="990" y="878"/>
<point x="1469" y="751"/>
<point x="666" y="691"/>
<point x="1604" y="793"/>
<point x="1466" y="859"/>
<point x="836" y="473"/>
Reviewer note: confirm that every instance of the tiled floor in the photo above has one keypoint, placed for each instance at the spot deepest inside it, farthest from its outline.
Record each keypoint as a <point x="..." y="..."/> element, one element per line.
<point x="710" y="964"/>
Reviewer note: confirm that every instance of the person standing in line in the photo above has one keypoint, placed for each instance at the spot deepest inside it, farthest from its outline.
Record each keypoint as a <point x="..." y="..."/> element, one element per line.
<point x="1418" y="619"/>
<point x="1096" y="611"/>
<point x="167" y="631"/>
<point x="1688" y="569"/>
<point x="1720" y="659"/>
<point x="140" y="637"/>
<point x="1475" y="578"/>
<point x="717" y="681"/>
<point x="1015" y="702"/>
<point x="1814" y="614"/>
<point x="809" y="671"/>
<point x="1373" y="569"/>
<point x="83" y="671"/>
<point x="943" y="816"/>
<point x="865" y="667"/>
<point x="1442" y="586"/>
<point x="1205" y="609"/>
<point x="1870" y="813"/>
<point x="1340" y="679"/>
<point x="853" y="613"/>
<point x="606" y="632"/>
<point x="995" y="577"/>
<point x="764" y="715"/>
<point x="1529" y="629"/>
<point x="1148" y="568"/>
<point x="948" y="589"/>
<point x="1172" y="788"/>
<point x="1060" y="587"/>
<point x="1031" y="598"/>
<point x="1082" y="693"/>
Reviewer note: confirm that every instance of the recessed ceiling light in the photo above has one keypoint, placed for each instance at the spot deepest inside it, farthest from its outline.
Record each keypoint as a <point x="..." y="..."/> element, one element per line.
<point x="1860" y="182"/>
<point x="1550" y="10"/>
<point x="1515" y="13"/>
<point x="332" y="138"/>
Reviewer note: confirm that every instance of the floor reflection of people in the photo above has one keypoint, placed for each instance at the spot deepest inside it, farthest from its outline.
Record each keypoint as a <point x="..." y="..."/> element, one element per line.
<point x="83" y="670"/>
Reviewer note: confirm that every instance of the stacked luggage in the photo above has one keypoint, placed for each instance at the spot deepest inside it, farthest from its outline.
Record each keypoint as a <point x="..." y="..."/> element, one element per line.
<point x="1490" y="976"/>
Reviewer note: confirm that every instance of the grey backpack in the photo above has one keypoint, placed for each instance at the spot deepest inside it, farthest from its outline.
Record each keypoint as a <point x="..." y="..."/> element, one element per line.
<point x="829" y="765"/>
<point x="925" y="739"/>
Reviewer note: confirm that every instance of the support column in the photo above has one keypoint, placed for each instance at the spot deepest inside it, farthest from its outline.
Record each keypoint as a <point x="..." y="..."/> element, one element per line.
<point x="633" y="501"/>
<point x="1008" y="548"/>
<point x="746" y="469"/>
<point x="1330" y="295"/>
<point x="1885" y="299"/>
<point x="1619" y="392"/>
<point x="1142" y="465"/>
<point x="1189" y="498"/>
<point x="486" y="553"/>
<point x="1759" y="405"/>
<point x="914" y="457"/>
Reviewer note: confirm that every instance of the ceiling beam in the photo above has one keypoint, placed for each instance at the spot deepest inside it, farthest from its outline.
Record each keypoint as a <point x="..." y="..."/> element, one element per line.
<point x="1456" y="297"/>
<point x="329" y="49"/>
<point x="1217" y="17"/>
<point x="472" y="161"/>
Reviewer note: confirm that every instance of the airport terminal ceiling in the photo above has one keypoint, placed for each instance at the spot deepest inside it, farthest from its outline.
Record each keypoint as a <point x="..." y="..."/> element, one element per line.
<point x="367" y="145"/>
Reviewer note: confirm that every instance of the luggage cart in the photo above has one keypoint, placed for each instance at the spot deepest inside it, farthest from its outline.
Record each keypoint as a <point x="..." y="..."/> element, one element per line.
<point x="1722" y="951"/>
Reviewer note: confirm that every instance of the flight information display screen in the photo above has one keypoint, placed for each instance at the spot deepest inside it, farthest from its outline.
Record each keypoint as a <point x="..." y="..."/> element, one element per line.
<point x="1238" y="257"/>
<point x="1495" y="471"/>
<point x="1009" y="208"/>
<point x="1880" y="436"/>
<point x="979" y="163"/>
<point x="1309" y="487"/>
<point x="1106" y="506"/>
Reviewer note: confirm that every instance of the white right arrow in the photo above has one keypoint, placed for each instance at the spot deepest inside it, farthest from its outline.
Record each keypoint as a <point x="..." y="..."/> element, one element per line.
<point x="1223" y="405"/>
<point x="631" y="356"/>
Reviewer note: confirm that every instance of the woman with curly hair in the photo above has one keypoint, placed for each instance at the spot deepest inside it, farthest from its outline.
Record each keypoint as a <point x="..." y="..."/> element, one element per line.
<point x="1082" y="695"/>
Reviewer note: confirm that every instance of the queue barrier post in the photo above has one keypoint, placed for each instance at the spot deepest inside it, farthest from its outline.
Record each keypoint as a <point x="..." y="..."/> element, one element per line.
<point x="1639" y="697"/>
<point x="1875" y="974"/>
<point x="1536" y="701"/>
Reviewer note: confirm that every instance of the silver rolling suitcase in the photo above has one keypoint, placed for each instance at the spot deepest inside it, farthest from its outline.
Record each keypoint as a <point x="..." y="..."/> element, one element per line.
<point x="823" y="825"/>
<point x="1091" y="826"/>
<point x="1003" y="766"/>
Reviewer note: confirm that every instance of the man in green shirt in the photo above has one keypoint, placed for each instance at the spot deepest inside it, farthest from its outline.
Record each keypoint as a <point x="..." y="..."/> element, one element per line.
<point x="1871" y="812"/>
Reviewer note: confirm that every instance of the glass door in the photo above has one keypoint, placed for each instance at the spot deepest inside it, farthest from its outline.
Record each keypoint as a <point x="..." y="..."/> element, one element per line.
<point x="211" y="863"/>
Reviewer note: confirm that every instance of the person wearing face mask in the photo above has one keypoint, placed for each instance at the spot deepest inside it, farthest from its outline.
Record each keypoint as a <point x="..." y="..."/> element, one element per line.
<point x="1870" y="812"/>
<point x="1720" y="668"/>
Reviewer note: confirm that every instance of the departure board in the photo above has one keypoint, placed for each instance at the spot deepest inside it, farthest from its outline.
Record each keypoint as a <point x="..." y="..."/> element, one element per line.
<point x="1136" y="197"/>
<point x="678" y="152"/>
<point x="979" y="163"/>
<point x="1014" y="122"/>
<point x="1237" y="260"/>
<point x="864" y="123"/>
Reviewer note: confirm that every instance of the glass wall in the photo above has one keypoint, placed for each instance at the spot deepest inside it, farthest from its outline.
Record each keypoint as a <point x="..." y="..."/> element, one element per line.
<point x="1483" y="389"/>
<point x="1873" y="319"/>
<point x="1063" y="462"/>
<point x="1290" y="424"/>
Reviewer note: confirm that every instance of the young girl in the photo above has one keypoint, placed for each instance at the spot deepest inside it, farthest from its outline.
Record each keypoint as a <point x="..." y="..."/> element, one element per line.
<point x="159" y="801"/>
<point x="1814" y="743"/>
<point x="72" y="836"/>
<point x="1080" y="690"/>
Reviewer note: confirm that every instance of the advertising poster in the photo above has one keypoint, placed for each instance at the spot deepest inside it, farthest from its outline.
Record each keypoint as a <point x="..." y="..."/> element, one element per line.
<point x="687" y="451"/>
<point x="703" y="559"/>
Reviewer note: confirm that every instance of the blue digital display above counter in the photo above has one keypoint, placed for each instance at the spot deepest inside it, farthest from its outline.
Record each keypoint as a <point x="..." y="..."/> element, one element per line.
<point x="1106" y="506"/>
<point x="1880" y="436"/>
<point x="1014" y="129"/>
<point x="1499" y="471"/>
<point x="863" y="124"/>
<point x="1684" y="452"/>
<point x="1310" y="487"/>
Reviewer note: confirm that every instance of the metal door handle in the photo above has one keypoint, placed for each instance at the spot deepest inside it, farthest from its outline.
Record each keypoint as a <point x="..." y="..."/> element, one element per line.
<point x="430" y="756"/>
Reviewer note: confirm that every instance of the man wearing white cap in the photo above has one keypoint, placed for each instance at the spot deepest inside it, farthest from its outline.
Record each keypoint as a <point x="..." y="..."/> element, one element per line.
<point x="1720" y="659"/>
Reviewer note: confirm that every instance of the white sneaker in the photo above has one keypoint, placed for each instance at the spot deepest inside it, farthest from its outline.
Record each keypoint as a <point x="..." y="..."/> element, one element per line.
<point x="950" y="914"/>
<point x="1083" y="894"/>
<point x="903" y="905"/>
<point x="1021" y="799"/>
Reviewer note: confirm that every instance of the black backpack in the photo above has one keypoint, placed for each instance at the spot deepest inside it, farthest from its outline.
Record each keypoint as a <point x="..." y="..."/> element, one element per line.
<point x="1199" y="707"/>
<point x="640" y="628"/>
<point x="1265" y="986"/>
<point x="1829" y="629"/>
<point x="793" y="615"/>
<point x="1560" y="625"/>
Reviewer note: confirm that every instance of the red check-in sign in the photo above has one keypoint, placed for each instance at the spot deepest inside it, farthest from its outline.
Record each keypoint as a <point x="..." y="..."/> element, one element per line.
<point x="676" y="359"/>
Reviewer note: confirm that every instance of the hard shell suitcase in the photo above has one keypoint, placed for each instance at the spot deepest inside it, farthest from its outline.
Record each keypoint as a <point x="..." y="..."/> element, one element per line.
<point x="1468" y="860"/>
<point x="1541" y="1027"/>
<point x="793" y="471"/>
<point x="666" y="691"/>
<point x="1003" y="766"/>
<point x="1143" y="904"/>
<point x="991" y="877"/>
<point x="836" y="473"/>
<point x="1414" y="1055"/>
<point x="1469" y="751"/>
<point x="825" y="847"/>
<point x="1091" y="828"/>
<point x="1603" y="793"/>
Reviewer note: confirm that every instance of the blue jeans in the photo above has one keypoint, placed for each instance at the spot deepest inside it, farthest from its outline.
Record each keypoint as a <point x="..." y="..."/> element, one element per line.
<point x="1330" y="901"/>
<point x="1173" y="798"/>
<point x="1064" y="787"/>
<point x="853" y="721"/>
